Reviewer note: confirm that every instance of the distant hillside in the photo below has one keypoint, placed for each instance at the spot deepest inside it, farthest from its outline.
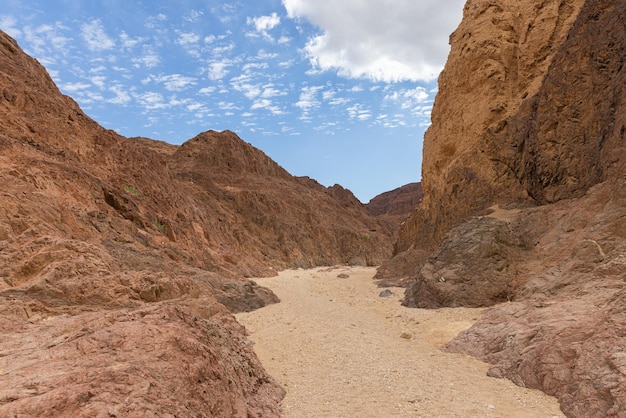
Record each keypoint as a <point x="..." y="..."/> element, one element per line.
<point x="396" y="205"/>
<point x="119" y="256"/>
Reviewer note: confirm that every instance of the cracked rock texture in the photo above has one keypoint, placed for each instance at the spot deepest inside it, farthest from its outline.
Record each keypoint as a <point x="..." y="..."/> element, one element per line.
<point x="122" y="259"/>
<point x="524" y="209"/>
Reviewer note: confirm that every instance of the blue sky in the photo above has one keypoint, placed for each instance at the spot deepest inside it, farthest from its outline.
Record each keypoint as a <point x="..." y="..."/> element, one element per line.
<point x="340" y="91"/>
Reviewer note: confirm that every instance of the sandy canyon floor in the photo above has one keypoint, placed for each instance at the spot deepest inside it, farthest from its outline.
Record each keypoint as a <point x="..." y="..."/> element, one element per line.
<point x="341" y="350"/>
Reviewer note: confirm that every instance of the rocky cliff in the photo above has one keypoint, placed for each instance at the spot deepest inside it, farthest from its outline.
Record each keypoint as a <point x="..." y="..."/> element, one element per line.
<point x="524" y="174"/>
<point x="396" y="205"/>
<point x="121" y="259"/>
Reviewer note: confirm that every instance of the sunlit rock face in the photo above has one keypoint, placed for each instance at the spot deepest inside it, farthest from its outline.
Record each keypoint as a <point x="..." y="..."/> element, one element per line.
<point x="122" y="259"/>
<point x="524" y="203"/>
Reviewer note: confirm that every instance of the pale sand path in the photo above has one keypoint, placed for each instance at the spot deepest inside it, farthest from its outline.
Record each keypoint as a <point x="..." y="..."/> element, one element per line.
<point x="340" y="350"/>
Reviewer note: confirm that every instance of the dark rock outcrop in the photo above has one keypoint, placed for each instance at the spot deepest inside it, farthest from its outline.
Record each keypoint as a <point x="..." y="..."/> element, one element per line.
<point x="472" y="267"/>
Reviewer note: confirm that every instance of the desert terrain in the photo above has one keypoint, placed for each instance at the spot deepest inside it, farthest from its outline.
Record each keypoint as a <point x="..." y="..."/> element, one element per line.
<point x="342" y="350"/>
<point x="124" y="260"/>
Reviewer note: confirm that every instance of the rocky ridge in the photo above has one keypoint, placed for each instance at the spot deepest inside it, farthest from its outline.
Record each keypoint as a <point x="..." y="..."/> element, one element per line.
<point x="121" y="259"/>
<point x="394" y="206"/>
<point x="524" y="203"/>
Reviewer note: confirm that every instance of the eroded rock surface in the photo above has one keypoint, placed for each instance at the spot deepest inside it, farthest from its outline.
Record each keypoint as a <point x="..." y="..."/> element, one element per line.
<point x="394" y="206"/>
<point x="524" y="202"/>
<point x="121" y="259"/>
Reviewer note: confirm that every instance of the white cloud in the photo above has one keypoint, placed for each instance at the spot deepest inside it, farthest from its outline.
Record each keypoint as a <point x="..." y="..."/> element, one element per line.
<point x="227" y="106"/>
<point x="187" y="38"/>
<point x="264" y="23"/>
<point x="416" y="95"/>
<point x="261" y="104"/>
<point x="151" y="100"/>
<point x="264" y="55"/>
<point x="358" y="112"/>
<point x="46" y="39"/>
<point x="7" y="23"/>
<point x="174" y="82"/>
<point x="286" y="64"/>
<point x="98" y="81"/>
<point x="339" y="101"/>
<point x="270" y="91"/>
<point x="193" y="16"/>
<point x="222" y="50"/>
<point x="218" y="70"/>
<point x="249" y="90"/>
<point x="308" y="101"/>
<point x="148" y="58"/>
<point x="74" y="87"/>
<point x="95" y="37"/>
<point x="382" y="40"/>
<point x="206" y="90"/>
<point x="328" y="94"/>
<point x="128" y="42"/>
<point x="308" y="98"/>
<point x="121" y="96"/>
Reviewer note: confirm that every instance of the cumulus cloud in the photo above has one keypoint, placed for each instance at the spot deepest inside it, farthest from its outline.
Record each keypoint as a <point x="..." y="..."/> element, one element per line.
<point x="95" y="37"/>
<point x="381" y="40"/>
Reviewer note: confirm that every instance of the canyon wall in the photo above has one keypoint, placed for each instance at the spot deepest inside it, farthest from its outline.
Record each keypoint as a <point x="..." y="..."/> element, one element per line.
<point x="524" y="209"/>
<point x="122" y="259"/>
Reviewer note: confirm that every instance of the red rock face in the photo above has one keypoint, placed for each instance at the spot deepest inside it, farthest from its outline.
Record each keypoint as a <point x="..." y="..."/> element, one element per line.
<point x="525" y="203"/>
<point x="120" y="259"/>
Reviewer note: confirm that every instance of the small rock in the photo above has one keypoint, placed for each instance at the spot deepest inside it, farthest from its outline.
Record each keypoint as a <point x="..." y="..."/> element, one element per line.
<point x="343" y="276"/>
<point x="406" y="336"/>
<point x="385" y="293"/>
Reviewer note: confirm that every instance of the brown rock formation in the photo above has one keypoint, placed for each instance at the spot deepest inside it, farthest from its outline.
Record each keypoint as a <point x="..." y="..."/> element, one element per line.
<point x="523" y="175"/>
<point x="119" y="255"/>
<point x="392" y="209"/>
<point x="500" y="53"/>
<point x="396" y="205"/>
<point x="399" y="202"/>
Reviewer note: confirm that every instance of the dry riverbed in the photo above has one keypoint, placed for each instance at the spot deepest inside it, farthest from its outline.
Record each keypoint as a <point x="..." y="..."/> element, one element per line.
<point x="341" y="350"/>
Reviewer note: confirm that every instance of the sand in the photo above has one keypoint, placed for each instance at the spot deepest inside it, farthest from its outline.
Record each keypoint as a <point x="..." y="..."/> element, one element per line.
<point x="341" y="350"/>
